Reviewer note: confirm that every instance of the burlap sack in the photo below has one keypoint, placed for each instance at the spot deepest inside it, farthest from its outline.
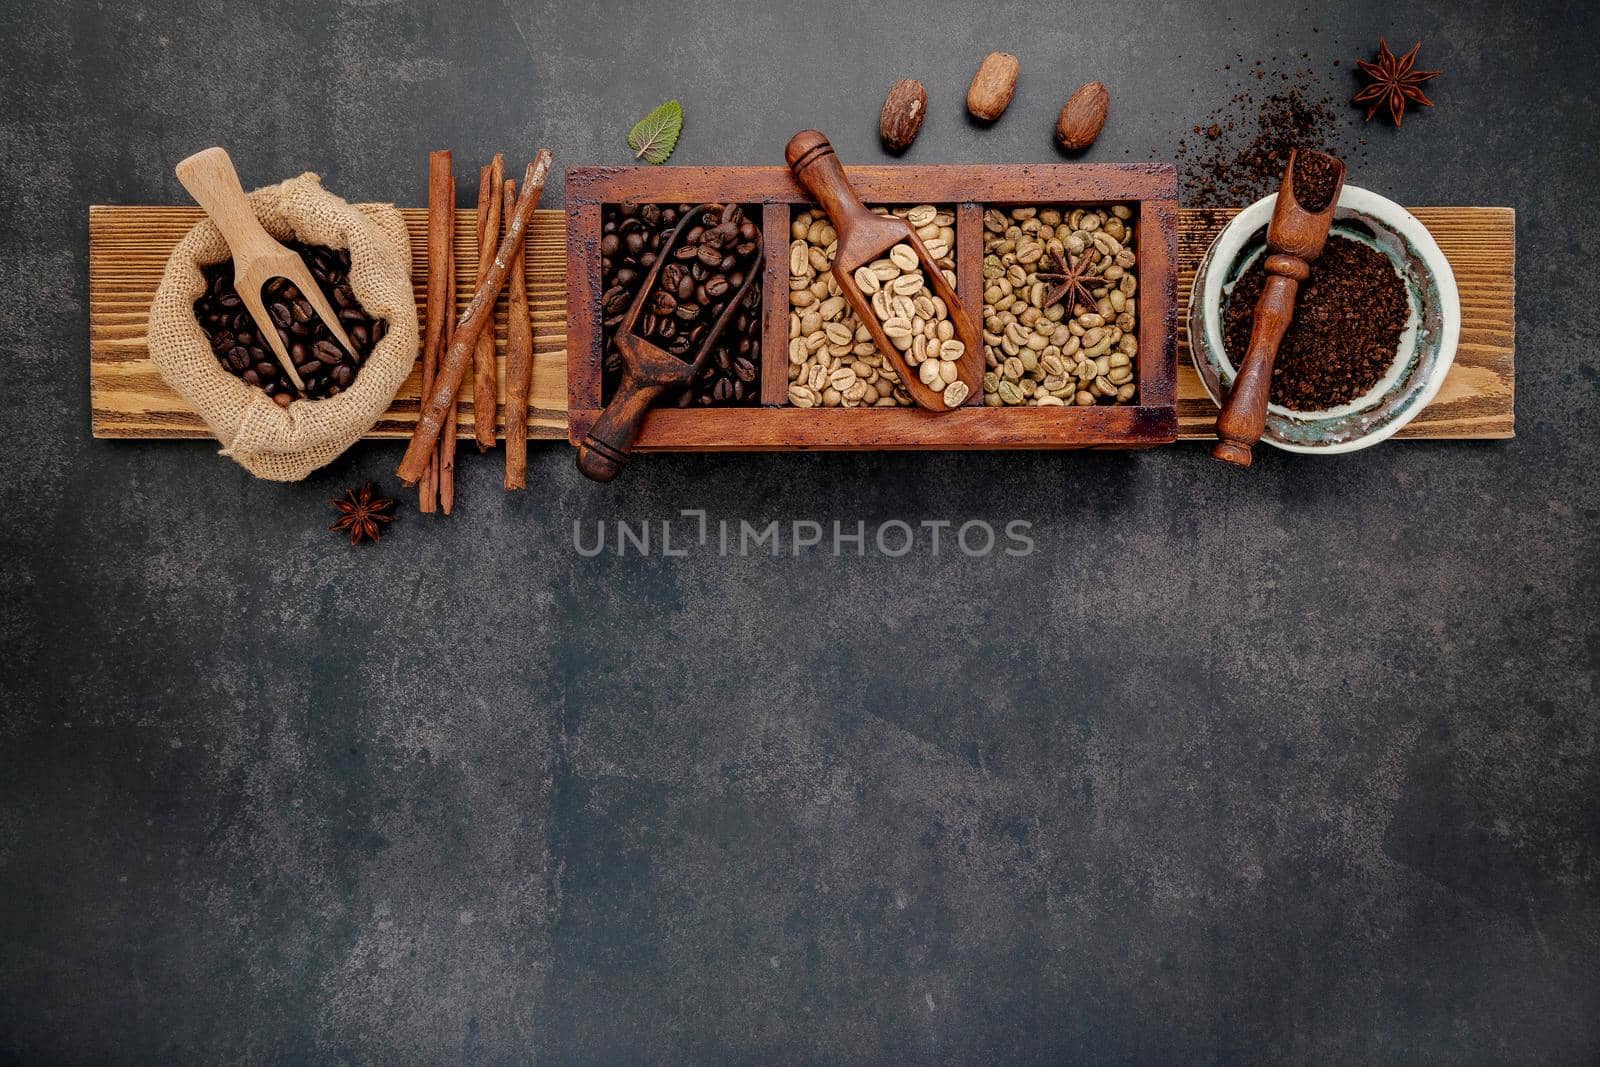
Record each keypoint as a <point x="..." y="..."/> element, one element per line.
<point x="286" y="444"/>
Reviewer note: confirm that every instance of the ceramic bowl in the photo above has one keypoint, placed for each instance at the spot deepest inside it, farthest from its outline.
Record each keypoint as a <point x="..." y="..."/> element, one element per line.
<point x="1427" y="346"/>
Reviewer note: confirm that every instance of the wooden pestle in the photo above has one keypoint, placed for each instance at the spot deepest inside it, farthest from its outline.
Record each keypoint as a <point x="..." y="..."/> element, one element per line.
<point x="865" y="236"/>
<point x="1295" y="238"/>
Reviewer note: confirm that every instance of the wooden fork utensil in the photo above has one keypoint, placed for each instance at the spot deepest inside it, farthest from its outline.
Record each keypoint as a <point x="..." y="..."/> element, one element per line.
<point x="257" y="256"/>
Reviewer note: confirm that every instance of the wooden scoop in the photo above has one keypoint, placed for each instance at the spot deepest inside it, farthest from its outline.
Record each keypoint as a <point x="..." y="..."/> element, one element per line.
<point x="1295" y="238"/>
<point x="648" y="370"/>
<point x="865" y="236"/>
<point x="257" y="256"/>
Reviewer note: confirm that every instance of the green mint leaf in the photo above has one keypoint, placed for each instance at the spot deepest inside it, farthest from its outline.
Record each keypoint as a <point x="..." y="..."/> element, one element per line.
<point x="656" y="135"/>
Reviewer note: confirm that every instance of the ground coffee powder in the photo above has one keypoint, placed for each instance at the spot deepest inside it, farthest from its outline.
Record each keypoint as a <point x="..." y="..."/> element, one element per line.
<point x="1347" y="324"/>
<point x="1316" y="176"/>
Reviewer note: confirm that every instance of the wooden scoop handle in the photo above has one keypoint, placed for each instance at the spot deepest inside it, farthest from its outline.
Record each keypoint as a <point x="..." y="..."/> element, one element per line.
<point x="1296" y="236"/>
<point x="812" y="159"/>
<point x="1244" y="414"/>
<point x="606" y="446"/>
<point x="212" y="181"/>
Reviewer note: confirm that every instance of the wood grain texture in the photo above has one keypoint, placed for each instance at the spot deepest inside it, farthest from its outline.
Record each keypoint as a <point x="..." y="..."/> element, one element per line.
<point x="129" y="246"/>
<point x="128" y="250"/>
<point x="1150" y="189"/>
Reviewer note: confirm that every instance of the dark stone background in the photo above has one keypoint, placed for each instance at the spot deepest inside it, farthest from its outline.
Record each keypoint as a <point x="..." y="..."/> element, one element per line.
<point x="1294" y="765"/>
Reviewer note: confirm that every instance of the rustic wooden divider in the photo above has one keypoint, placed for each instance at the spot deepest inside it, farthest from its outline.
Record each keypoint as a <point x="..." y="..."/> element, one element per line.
<point x="128" y="248"/>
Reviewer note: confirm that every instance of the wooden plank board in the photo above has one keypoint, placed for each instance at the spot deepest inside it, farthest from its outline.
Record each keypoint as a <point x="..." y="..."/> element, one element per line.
<point x="128" y="249"/>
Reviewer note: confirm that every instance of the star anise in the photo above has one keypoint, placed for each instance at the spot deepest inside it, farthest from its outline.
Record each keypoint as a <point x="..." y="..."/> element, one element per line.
<point x="1069" y="279"/>
<point x="1393" y="82"/>
<point x="361" y="512"/>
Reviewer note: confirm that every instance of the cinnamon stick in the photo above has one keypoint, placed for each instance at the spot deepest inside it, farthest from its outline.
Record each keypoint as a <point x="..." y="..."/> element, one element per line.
<point x="484" y="386"/>
<point x="441" y="265"/>
<point x="444" y="459"/>
<point x="453" y="365"/>
<point x="519" y="359"/>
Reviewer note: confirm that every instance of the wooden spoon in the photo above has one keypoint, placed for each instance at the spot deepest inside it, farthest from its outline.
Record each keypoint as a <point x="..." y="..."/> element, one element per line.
<point x="648" y="370"/>
<point x="865" y="236"/>
<point x="257" y="256"/>
<point x="1295" y="238"/>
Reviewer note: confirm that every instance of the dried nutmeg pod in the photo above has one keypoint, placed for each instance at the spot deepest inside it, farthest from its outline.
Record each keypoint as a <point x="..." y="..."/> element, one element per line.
<point x="1083" y="117"/>
<point x="903" y="113"/>
<point x="992" y="87"/>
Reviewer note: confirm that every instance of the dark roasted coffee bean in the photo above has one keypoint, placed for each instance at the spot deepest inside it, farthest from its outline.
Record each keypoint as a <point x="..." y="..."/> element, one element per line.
<point x="343" y="375"/>
<point x="683" y="307"/>
<point x="744" y="369"/>
<point x="303" y="311"/>
<point x="234" y="336"/>
<point x="327" y="352"/>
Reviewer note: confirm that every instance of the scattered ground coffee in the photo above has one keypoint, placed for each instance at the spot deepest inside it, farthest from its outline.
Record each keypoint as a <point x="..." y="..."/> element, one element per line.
<point x="1237" y="152"/>
<point x="323" y="364"/>
<point x="1346" y="330"/>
